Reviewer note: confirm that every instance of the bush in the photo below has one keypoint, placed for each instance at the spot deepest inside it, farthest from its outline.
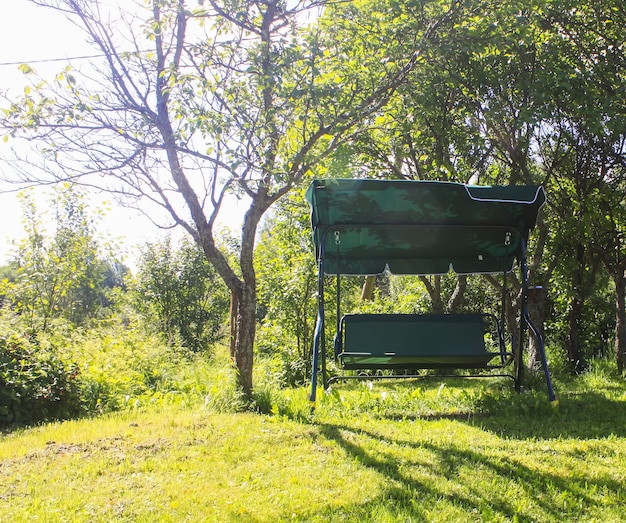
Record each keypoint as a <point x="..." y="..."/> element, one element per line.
<point x="295" y="370"/>
<point x="35" y="385"/>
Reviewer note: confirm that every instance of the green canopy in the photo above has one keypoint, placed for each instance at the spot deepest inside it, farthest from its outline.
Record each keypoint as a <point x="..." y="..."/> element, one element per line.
<point x="420" y="227"/>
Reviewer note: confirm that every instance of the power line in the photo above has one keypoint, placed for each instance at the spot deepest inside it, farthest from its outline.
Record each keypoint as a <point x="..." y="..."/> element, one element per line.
<point x="50" y="60"/>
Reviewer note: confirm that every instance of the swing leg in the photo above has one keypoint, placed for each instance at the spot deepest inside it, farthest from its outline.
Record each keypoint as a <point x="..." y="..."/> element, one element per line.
<point x="518" y="368"/>
<point x="318" y="340"/>
<point x="525" y="320"/>
<point x="544" y="362"/>
<point x="315" y="364"/>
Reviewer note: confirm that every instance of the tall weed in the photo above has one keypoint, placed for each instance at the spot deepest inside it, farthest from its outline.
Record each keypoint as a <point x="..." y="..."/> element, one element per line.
<point x="128" y="366"/>
<point x="113" y="365"/>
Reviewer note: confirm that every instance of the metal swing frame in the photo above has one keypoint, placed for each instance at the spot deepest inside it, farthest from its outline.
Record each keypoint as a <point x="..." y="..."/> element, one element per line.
<point x="514" y="356"/>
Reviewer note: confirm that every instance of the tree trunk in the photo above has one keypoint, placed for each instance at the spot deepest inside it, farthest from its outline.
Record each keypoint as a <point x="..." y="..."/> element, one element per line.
<point x="234" y="306"/>
<point x="368" y="288"/>
<point x="620" y="319"/>
<point x="246" y="292"/>
<point x="536" y="302"/>
<point x="512" y="303"/>
<point x="434" y="291"/>
<point x="511" y="312"/>
<point x="572" y="340"/>
<point x="584" y="279"/>
<point x="243" y="356"/>
<point x="458" y="296"/>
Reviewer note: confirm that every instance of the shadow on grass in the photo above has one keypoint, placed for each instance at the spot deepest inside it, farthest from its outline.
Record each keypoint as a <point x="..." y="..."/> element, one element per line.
<point x="527" y="415"/>
<point x="432" y="477"/>
<point x="579" y="415"/>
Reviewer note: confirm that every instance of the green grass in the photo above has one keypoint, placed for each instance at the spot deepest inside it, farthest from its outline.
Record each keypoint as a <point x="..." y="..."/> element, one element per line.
<point x="406" y="451"/>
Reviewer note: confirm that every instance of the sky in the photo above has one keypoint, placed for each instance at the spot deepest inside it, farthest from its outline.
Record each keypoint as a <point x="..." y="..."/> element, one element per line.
<point x="44" y="39"/>
<point x="26" y="34"/>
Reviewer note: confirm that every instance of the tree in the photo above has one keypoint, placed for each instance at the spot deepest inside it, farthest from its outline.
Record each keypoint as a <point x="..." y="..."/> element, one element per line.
<point x="178" y="288"/>
<point x="192" y="105"/>
<point x="586" y="142"/>
<point x="59" y="273"/>
<point x="522" y="92"/>
<point x="470" y="114"/>
<point x="288" y="286"/>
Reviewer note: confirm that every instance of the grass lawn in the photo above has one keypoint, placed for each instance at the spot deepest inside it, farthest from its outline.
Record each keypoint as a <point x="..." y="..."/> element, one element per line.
<point x="419" y="451"/>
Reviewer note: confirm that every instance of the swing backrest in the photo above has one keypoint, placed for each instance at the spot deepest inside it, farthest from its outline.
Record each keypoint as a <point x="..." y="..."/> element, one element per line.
<point x="416" y="341"/>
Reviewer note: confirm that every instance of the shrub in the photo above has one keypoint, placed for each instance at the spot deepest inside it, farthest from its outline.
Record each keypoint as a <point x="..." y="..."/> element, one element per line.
<point x="295" y="369"/>
<point x="35" y="385"/>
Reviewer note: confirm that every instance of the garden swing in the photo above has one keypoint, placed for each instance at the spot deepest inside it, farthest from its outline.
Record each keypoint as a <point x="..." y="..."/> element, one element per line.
<point x="367" y="227"/>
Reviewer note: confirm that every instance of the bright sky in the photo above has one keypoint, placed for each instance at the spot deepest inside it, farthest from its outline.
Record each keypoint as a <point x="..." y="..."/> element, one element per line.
<point x="43" y="38"/>
<point x="25" y="34"/>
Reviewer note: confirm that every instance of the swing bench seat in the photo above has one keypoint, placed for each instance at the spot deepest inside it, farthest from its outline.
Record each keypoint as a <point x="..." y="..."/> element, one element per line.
<point x="419" y="341"/>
